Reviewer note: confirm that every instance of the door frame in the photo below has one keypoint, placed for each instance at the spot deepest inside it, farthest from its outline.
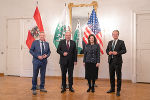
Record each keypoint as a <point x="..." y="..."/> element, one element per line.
<point x="134" y="43"/>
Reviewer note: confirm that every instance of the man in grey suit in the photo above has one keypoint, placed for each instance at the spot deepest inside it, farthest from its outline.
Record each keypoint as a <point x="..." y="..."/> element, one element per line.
<point x="115" y="49"/>
<point x="40" y="51"/>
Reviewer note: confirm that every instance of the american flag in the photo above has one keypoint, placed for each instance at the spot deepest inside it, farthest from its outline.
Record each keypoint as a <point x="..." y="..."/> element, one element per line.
<point x="93" y="28"/>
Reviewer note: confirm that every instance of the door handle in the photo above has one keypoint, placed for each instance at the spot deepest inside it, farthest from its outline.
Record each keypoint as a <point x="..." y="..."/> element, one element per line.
<point x="21" y="47"/>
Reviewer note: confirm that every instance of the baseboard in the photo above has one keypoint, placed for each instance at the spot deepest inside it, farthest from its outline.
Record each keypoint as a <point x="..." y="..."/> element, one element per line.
<point x="1" y="74"/>
<point x="77" y="78"/>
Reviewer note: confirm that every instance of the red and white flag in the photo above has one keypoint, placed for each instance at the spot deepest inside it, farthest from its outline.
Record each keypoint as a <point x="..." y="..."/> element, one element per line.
<point x="34" y="32"/>
<point x="93" y="28"/>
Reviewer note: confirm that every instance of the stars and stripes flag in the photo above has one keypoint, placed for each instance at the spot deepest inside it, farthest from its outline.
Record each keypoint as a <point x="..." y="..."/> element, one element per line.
<point x="93" y="28"/>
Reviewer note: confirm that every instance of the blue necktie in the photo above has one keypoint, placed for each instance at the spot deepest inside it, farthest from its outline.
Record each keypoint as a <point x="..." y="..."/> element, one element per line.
<point x="43" y="48"/>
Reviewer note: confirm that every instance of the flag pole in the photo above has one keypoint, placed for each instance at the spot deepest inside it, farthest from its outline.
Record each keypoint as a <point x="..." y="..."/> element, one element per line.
<point x="37" y="3"/>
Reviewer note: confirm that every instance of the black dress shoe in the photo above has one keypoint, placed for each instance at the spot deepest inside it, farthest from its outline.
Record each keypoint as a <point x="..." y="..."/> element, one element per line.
<point x="93" y="89"/>
<point x="110" y="91"/>
<point x="71" y="89"/>
<point x="63" y="90"/>
<point x="118" y="93"/>
<point x="88" y="90"/>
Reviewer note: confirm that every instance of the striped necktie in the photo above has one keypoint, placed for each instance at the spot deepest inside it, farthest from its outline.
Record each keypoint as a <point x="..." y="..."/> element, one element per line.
<point x="113" y="45"/>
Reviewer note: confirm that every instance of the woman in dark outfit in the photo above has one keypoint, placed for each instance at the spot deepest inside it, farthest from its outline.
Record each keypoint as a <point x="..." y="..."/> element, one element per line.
<point x="91" y="61"/>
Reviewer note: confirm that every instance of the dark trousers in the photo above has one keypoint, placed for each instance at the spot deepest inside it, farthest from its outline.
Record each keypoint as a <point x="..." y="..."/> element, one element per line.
<point x="114" y="67"/>
<point x="36" y="67"/>
<point x="64" y="69"/>
<point x="89" y="83"/>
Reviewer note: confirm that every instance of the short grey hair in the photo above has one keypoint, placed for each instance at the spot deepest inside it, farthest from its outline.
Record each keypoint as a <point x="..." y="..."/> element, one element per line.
<point x="116" y="31"/>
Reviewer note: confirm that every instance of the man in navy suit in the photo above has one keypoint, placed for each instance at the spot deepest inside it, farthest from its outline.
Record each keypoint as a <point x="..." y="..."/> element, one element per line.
<point x="68" y="58"/>
<point x="40" y="51"/>
<point x="114" y="50"/>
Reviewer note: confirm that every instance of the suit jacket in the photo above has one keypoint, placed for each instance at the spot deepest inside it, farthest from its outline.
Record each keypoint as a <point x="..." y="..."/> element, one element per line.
<point x="91" y="53"/>
<point x="35" y="51"/>
<point x="119" y="48"/>
<point x="72" y="52"/>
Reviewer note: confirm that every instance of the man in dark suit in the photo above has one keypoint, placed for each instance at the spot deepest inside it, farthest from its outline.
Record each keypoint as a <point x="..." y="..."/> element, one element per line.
<point x="40" y="51"/>
<point x="68" y="58"/>
<point x="115" y="49"/>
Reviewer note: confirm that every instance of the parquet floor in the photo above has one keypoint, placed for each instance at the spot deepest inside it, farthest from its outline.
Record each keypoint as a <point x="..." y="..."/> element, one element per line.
<point x="18" y="88"/>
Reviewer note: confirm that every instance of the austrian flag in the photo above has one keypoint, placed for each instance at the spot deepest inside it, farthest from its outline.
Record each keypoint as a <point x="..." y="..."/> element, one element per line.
<point x="34" y="32"/>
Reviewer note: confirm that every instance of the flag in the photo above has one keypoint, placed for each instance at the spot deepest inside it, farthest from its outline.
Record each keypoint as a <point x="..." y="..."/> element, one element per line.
<point x="62" y="26"/>
<point x="93" y="28"/>
<point x="29" y="40"/>
<point x="34" y="32"/>
<point x="77" y="38"/>
<point x="38" y="20"/>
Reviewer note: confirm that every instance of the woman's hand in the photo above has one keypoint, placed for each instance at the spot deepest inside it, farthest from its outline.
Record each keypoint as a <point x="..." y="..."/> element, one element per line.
<point x="97" y="65"/>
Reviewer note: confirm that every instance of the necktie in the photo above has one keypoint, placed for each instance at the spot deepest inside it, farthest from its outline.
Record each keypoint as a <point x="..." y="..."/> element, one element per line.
<point x="43" y="48"/>
<point x="113" y="45"/>
<point x="68" y="45"/>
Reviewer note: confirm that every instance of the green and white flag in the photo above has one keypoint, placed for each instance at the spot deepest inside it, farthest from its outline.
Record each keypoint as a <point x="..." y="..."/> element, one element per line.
<point x="77" y="38"/>
<point x="61" y="28"/>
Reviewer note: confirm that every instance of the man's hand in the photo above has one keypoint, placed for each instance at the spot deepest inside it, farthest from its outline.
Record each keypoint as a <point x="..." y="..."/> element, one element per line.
<point x="110" y="53"/>
<point x="40" y="57"/>
<point x="97" y="65"/>
<point x="65" y="54"/>
<point x="115" y="53"/>
<point x="75" y="63"/>
<point x="44" y="56"/>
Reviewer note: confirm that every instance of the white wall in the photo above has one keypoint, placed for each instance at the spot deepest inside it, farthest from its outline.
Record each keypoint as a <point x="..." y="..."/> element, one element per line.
<point x="113" y="14"/>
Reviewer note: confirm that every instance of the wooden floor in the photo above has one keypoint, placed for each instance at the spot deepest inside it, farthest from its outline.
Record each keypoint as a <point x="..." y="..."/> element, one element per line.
<point x="17" y="88"/>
